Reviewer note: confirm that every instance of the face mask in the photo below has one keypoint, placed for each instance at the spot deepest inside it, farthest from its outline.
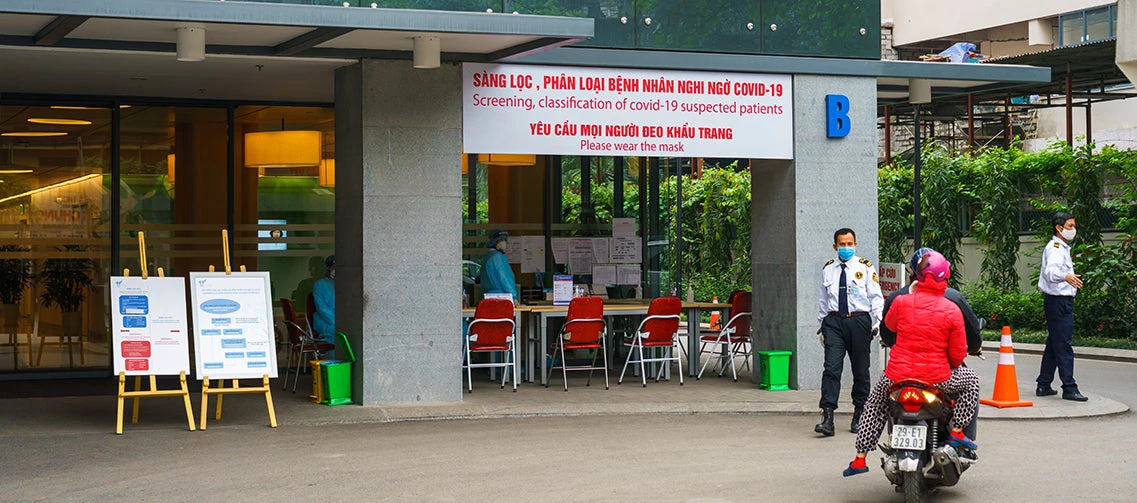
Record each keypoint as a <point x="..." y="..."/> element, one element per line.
<point x="845" y="253"/>
<point x="502" y="245"/>
<point x="332" y="274"/>
<point x="1068" y="234"/>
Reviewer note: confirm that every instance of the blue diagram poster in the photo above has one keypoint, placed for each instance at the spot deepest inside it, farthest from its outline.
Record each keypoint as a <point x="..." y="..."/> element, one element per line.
<point x="148" y="319"/>
<point x="232" y="325"/>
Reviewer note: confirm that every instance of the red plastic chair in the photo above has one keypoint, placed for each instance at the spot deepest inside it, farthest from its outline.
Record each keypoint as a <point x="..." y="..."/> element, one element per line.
<point x="300" y="343"/>
<point x="660" y="329"/>
<point x="733" y="338"/>
<point x="491" y="331"/>
<point x="583" y="329"/>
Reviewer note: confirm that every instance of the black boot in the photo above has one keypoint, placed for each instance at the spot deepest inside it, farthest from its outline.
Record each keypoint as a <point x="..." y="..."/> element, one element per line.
<point x="825" y="427"/>
<point x="856" y="418"/>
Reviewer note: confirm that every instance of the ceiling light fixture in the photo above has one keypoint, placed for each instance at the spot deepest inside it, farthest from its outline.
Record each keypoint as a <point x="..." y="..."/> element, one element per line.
<point x="427" y="52"/>
<point x="283" y="149"/>
<point x="191" y="43"/>
<point x="60" y="122"/>
<point x="34" y="134"/>
<point x="14" y="171"/>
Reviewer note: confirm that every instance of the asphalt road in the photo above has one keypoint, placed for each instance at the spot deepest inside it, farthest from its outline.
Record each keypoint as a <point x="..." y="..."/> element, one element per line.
<point x="660" y="457"/>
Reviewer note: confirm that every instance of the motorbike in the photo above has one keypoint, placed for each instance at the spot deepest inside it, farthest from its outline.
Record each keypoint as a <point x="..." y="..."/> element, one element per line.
<point x="917" y="457"/>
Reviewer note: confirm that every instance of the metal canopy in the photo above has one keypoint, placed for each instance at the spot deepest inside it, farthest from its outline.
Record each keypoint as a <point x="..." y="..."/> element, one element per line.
<point x="1090" y="66"/>
<point x="267" y="29"/>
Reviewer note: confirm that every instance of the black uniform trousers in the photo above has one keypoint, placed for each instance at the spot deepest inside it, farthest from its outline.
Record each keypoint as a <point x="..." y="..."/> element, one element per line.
<point x="1059" y="352"/>
<point x="851" y="335"/>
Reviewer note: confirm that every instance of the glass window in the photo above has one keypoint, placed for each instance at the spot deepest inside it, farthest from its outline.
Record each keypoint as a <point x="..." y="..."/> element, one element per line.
<point x="54" y="236"/>
<point x="1071" y="28"/>
<point x="1098" y="24"/>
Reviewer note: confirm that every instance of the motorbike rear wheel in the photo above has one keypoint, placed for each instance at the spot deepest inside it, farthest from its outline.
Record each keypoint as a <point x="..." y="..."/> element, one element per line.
<point x="914" y="491"/>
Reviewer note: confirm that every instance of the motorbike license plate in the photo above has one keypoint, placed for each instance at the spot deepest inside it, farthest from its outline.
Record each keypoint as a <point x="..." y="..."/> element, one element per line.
<point x="909" y="437"/>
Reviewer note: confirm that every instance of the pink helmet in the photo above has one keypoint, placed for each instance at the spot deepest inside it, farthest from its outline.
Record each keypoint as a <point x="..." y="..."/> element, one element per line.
<point x="933" y="263"/>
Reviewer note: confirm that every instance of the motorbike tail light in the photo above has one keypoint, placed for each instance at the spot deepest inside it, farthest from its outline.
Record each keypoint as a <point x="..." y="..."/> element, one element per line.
<point x="911" y="399"/>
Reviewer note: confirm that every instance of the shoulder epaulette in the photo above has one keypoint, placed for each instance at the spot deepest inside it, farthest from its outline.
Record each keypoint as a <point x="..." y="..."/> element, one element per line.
<point x="866" y="262"/>
<point x="1056" y="245"/>
<point x="827" y="263"/>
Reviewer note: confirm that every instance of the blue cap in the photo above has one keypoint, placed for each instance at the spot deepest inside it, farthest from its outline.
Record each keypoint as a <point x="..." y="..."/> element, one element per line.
<point x="496" y="236"/>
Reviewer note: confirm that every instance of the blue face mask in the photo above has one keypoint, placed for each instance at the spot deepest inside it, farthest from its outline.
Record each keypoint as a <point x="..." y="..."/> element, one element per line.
<point x="845" y="254"/>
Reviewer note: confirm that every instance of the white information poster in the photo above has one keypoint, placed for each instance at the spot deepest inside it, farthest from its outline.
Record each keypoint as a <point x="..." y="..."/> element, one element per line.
<point x="562" y="290"/>
<point x="148" y="319"/>
<point x="627" y="250"/>
<point x="533" y="109"/>
<point x="532" y="254"/>
<point x="623" y="227"/>
<point x="628" y="275"/>
<point x="603" y="274"/>
<point x="580" y="256"/>
<point x="232" y="325"/>
<point x="892" y="278"/>
<point x="561" y="250"/>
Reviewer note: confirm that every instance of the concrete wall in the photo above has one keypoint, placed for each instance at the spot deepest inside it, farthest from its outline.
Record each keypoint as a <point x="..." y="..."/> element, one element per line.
<point x="919" y="20"/>
<point x="398" y="228"/>
<point x="1114" y="123"/>
<point x="796" y="206"/>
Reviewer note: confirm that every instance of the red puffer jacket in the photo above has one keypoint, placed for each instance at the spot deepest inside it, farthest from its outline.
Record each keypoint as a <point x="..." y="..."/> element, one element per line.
<point x="930" y="336"/>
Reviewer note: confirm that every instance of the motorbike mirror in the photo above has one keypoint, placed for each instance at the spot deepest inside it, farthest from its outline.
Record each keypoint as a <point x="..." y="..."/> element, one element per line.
<point x="982" y="323"/>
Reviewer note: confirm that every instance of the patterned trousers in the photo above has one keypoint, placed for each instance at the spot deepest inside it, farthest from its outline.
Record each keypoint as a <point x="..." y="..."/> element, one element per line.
<point x="963" y="384"/>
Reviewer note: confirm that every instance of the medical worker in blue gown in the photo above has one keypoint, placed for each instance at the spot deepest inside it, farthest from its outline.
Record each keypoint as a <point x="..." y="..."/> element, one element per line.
<point x="324" y="293"/>
<point x="497" y="276"/>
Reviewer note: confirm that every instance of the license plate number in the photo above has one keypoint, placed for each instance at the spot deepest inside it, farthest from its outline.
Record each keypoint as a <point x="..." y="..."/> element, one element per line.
<point x="909" y="437"/>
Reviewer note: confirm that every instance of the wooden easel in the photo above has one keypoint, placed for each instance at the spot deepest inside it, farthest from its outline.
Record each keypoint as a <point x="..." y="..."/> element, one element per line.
<point x="221" y="390"/>
<point x="138" y="393"/>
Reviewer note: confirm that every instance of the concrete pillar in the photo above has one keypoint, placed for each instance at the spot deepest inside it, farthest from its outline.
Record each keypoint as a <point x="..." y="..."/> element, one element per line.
<point x="398" y="229"/>
<point x="797" y="205"/>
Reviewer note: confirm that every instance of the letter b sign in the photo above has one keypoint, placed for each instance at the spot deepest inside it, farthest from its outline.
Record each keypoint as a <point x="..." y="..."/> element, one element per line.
<point x="837" y="124"/>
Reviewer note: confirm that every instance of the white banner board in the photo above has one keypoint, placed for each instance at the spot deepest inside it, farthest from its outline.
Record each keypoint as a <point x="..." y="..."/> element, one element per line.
<point x="531" y="109"/>
<point x="892" y="278"/>
<point x="148" y="318"/>
<point x="232" y="325"/>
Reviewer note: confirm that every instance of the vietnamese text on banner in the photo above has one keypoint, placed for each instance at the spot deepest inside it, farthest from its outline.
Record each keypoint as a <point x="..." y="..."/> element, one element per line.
<point x="534" y="109"/>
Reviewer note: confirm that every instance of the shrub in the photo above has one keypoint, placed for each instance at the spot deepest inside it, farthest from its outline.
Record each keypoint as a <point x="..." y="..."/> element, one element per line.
<point x="1015" y="309"/>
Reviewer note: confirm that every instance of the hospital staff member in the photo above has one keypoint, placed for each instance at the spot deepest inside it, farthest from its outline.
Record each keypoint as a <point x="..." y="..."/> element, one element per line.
<point x="497" y="276"/>
<point x="324" y="295"/>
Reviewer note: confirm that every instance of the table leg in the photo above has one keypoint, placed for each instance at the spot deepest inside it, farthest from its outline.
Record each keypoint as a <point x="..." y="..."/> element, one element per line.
<point x="694" y="315"/>
<point x="517" y="348"/>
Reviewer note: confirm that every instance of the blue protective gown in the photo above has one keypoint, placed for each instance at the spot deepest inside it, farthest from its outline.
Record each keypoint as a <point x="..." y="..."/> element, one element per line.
<point x="324" y="320"/>
<point x="497" y="276"/>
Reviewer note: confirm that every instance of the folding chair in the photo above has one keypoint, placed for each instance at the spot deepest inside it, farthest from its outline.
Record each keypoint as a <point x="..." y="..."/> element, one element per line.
<point x="300" y="343"/>
<point x="660" y="329"/>
<point x="732" y="337"/>
<point x="584" y="328"/>
<point x="491" y="331"/>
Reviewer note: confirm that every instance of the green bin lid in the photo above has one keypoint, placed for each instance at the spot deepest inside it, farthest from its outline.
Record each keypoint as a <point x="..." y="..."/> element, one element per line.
<point x="776" y="353"/>
<point x="349" y="354"/>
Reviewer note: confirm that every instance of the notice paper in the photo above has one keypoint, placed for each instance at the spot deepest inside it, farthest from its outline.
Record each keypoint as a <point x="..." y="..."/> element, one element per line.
<point x="628" y="274"/>
<point x="580" y="256"/>
<point x="232" y="325"/>
<point x="623" y="227"/>
<point x="561" y="250"/>
<point x="532" y="254"/>
<point x="149" y="322"/>
<point x="627" y="250"/>
<point x="600" y="250"/>
<point x="603" y="274"/>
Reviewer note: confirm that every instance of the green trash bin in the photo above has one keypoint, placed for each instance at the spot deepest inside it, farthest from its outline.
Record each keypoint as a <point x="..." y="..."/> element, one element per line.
<point x="337" y="375"/>
<point x="775" y="370"/>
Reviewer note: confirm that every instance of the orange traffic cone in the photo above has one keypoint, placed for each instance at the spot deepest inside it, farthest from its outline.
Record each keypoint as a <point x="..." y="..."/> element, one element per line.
<point x="1006" y="382"/>
<point x="715" y="315"/>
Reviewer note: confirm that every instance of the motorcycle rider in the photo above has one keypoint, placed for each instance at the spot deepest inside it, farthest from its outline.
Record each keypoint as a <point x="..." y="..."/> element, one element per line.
<point x="970" y="320"/>
<point x="930" y="343"/>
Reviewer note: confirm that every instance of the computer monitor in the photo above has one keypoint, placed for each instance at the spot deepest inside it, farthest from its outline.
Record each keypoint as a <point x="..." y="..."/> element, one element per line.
<point x="621" y="291"/>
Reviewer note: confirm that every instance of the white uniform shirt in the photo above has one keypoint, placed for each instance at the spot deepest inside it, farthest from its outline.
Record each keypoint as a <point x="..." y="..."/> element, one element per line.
<point x="1056" y="264"/>
<point x="862" y="284"/>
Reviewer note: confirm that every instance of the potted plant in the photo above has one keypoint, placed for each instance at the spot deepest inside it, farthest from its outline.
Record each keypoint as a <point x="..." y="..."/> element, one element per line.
<point x="14" y="279"/>
<point x="65" y="283"/>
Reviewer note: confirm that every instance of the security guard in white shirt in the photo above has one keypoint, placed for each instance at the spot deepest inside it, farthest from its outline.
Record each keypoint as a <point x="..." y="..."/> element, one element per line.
<point x="1059" y="285"/>
<point x="849" y="312"/>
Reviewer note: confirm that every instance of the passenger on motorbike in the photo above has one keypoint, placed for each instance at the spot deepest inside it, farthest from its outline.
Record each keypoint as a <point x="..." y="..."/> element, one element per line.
<point x="930" y="343"/>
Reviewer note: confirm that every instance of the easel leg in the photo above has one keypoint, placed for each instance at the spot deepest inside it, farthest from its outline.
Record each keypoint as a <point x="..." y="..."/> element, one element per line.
<point x="221" y="396"/>
<point x="268" y="399"/>
<point x="185" y="396"/>
<point x="137" y="387"/>
<point x="204" y="401"/>
<point x="121" y="390"/>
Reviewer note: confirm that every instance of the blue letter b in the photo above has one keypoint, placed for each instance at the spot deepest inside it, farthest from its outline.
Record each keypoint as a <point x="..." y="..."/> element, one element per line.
<point x="837" y="124"/>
